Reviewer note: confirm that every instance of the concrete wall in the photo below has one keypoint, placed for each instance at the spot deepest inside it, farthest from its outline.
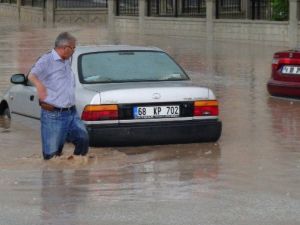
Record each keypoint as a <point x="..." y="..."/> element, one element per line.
<point x="79" y="16"/>
<point x="25" y="13"/>
<point x="245" y="30"/>
<point x="52" y="15"/>
<point x="32" y="14"/>
<point x="195" y="27"/>
<point x="250" y="30"/>
<point x="9" y="10"/>
<point x="126" y="23"/>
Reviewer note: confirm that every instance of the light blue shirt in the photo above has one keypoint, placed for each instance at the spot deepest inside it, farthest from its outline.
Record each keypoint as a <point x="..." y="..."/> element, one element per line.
<point x="58" y="78"/>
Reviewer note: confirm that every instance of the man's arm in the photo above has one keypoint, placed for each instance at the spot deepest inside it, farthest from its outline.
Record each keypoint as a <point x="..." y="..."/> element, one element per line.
<point x="41" y="89"/>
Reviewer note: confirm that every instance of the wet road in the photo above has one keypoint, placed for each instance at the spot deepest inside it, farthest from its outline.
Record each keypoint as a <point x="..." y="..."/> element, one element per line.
<point x="251" y="176"/>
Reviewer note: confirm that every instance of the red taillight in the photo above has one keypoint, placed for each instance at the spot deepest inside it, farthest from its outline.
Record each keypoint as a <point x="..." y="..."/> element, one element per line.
<point x="100" y="112"/>
<point x="275" y="63"/>
<point x="206" y="108"/>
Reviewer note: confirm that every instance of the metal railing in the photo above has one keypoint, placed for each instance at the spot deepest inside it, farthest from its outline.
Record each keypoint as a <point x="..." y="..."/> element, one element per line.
<point x="277" y="10"/>
<point x="34" y="3"/>
<point x="270" y="10"/>
<point x="298" y="10"/>
<point x="258" y="9"/>
<point x="127" y="8"/>
<point x="229" y="9"/>
<point x="175" y="8"/>
<point x="9" y="1"/>
<point x="162" y="8"/>
<point x="195" y="8"/>
<point x="81" y="4"/>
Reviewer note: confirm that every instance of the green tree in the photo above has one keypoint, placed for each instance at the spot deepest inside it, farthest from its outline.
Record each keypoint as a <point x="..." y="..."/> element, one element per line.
<point x="280" y="10"/>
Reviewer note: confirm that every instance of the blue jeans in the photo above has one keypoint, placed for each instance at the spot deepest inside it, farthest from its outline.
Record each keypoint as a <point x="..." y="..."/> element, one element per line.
<point x="57" y="128"/>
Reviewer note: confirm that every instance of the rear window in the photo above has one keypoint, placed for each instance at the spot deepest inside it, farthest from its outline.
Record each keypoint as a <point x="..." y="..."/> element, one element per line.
<point x="128" y="66"/>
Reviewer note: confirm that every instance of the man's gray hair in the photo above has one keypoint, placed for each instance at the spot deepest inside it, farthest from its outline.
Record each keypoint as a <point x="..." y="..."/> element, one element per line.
<point x="64" y="38"/>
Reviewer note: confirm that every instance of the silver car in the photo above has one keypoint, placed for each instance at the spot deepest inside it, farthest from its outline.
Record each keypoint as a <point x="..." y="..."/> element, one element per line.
<point x="129" y="95"/>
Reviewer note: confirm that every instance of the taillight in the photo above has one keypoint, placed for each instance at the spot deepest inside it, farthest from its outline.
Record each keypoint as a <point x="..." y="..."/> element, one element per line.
<point x="206" y="108"/>
<point x="275" y="63"/>
<point x="100" y="112"/>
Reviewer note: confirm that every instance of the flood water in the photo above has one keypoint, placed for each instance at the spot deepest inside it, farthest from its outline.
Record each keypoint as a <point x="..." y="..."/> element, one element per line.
<point x="250" y="176"/>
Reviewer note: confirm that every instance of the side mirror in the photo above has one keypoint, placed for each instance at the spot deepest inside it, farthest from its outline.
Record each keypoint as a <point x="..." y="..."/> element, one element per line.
<point x="18" y="79"/>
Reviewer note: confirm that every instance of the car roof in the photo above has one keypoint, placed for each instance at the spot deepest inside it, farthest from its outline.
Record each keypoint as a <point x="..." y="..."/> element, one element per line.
<point x="80" y="49"/>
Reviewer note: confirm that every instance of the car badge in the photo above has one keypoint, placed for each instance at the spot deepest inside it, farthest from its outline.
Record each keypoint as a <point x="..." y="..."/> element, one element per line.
<point x="291" y="55"/>
<point x="156" y="96"/>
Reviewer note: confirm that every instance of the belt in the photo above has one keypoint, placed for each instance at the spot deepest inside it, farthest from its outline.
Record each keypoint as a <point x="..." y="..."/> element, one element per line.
<point x="52" y="108"/>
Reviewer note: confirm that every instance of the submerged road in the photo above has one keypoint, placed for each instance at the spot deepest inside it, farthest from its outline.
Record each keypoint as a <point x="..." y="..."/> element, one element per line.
<point x="250" y="176"/>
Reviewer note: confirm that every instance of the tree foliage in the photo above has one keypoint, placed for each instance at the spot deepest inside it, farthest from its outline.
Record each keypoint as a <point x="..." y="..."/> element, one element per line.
<point x="280" y="10"/>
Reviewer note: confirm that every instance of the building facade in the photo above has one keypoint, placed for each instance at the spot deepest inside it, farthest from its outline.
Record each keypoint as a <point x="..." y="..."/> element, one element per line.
<point x="272" y="21"/>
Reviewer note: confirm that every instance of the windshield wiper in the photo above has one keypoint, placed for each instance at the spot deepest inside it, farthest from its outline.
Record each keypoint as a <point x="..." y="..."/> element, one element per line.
<point x="98" y="79"/>
<point x="172" y="76"/>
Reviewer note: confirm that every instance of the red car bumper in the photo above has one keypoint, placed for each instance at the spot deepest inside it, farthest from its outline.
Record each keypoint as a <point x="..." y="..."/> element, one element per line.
<point x="283" y="88"/>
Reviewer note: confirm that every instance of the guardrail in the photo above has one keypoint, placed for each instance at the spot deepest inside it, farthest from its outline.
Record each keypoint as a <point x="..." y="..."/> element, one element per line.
<point x="229" y="9"/>
<point x="127" y="8"/>
<point x="277" y="10"/>
<point x="274" y="10"/>
<point x="9" y="1"/>
<point x="34" y="3"/>
<point x="182" y="8"/>
<point x="81" y="4"/>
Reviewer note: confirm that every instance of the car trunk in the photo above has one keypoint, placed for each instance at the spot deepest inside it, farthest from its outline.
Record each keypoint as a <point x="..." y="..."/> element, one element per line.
<point x="286" y="66"/>
<point x="131" y="97"/>
<point x="129" y="93"/>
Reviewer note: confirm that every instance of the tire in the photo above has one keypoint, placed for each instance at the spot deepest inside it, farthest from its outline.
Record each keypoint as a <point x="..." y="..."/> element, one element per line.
<point x="6" y="113"/>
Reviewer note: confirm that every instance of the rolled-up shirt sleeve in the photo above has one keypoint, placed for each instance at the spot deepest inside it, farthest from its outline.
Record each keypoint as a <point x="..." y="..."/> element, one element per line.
<point x="39" y="69"/>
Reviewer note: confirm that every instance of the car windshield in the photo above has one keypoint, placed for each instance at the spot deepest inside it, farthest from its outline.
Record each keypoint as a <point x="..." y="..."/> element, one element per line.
<point x="128" y="66"/>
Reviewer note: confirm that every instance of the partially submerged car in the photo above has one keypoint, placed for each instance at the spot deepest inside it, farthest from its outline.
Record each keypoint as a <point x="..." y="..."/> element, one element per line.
<point x="285" y="76"/>
<point x="129" y="95"/>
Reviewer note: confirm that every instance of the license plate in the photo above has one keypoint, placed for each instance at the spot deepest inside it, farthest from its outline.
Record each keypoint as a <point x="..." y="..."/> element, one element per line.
<point x="291" y="70"/>
<point x="148" y="112"/>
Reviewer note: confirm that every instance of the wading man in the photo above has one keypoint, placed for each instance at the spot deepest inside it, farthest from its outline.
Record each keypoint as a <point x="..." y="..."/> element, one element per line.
<point x="54" y="80"/>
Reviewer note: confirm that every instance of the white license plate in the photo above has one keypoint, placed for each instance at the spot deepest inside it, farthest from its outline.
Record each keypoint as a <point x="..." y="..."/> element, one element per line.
<point x="291" y="70"/>
<point x="148" y="112"/>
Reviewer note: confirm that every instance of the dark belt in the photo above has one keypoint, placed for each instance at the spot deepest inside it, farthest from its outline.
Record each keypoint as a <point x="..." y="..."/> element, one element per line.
<point x="52" y="108"/>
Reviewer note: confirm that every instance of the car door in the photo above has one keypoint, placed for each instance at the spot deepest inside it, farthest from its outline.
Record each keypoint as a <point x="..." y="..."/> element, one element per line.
<point x="24" y="100"/>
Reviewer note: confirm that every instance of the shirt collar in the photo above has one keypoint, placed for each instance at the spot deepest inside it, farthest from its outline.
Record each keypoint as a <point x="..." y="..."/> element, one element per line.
<point x="55" y="56"/>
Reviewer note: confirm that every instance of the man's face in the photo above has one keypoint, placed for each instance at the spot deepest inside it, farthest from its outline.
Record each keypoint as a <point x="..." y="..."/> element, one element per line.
<point x="68" y="50"/>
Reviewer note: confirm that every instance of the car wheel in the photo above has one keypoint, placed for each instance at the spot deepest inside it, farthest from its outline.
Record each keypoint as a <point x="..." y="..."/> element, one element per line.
<point x="6" y="113"/>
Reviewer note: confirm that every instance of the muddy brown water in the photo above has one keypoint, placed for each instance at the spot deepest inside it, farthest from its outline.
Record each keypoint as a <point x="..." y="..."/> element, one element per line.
<point x="250" y="176"/>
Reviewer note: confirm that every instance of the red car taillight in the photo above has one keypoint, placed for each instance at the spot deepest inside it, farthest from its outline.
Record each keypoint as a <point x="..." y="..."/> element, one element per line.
<point x="206" y="108"/>
<point x="275" y="63"/>
<point x="100" y="112"/>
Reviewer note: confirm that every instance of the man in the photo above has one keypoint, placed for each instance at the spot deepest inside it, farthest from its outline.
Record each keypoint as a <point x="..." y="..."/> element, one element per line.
<point x="54" y="80"/>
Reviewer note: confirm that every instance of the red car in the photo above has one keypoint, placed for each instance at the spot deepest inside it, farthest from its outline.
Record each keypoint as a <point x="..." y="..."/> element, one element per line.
<point x="285" y="79"/>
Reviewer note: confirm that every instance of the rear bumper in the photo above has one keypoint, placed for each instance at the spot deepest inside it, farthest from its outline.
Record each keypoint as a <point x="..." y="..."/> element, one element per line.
<point x="284" y="89"/>
<point x="155" y="133"/>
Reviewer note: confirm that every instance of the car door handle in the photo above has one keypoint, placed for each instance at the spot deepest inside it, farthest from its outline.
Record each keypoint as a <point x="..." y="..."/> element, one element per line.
<point x="31" y="97"/>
